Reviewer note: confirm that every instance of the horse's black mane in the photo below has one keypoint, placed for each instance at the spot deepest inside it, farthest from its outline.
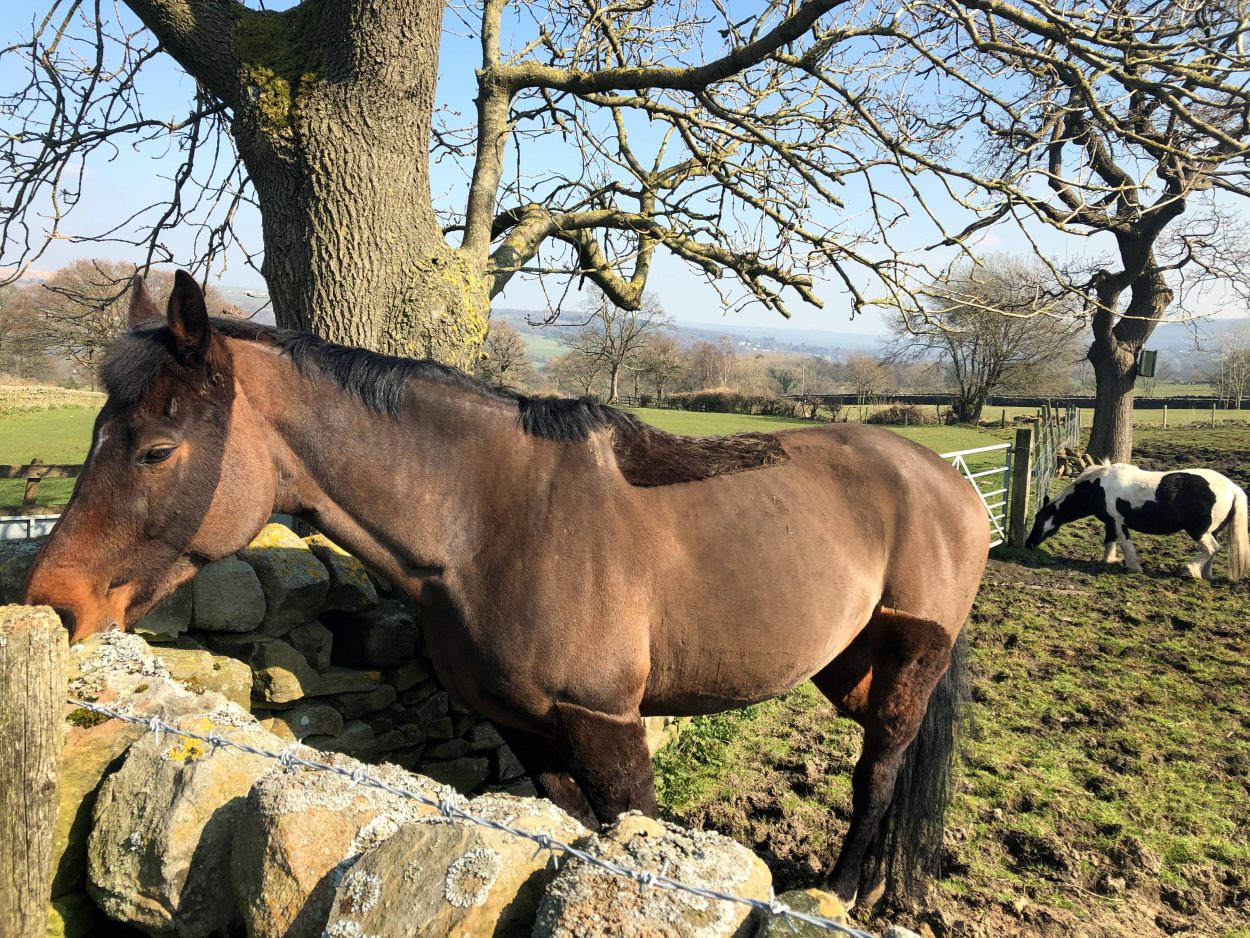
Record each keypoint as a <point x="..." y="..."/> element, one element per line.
<point x="377" y="380"/>
<point x="645" y="455"/>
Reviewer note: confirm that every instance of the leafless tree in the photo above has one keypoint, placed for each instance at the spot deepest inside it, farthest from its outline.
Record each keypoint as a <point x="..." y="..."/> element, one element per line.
<point x="615" y="335"/>
<point x="714" y="365"/>
<point x="1230" y="374"/>
<point x="575" y="372"/>
<point x="83" y="306"/>
<point x="685" y="127"/>
<point x="661" y="362"/>
<point x="504" y="357"/>
<point x="21" y="351"/>
<point x="869" y="377"/>
<point x="995" y="325"/>
<point x="1122" y="124"/>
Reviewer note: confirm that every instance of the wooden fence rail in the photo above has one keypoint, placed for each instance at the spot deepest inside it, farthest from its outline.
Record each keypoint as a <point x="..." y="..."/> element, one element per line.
<point x="35" y="472"/>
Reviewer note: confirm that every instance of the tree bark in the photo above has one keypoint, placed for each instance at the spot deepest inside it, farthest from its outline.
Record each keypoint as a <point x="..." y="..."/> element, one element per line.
<point x="1111" y="436"/>
<point x="1114" y="353"/>
<point x="615" y="373"/>
<point x="332" y="103"/>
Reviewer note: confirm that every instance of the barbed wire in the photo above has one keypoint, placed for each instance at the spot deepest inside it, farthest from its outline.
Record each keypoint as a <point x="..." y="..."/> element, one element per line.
<point x="289" y="758"/>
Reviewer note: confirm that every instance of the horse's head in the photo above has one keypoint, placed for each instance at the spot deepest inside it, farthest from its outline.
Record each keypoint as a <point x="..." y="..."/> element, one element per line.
<point x="1044" y="524"/>
<point x="176" y="476"/>
<point x="1079" y="500"/>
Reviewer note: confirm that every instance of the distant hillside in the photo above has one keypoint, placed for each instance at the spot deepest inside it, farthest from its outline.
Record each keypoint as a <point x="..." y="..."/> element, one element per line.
<point x="779" y="338"/>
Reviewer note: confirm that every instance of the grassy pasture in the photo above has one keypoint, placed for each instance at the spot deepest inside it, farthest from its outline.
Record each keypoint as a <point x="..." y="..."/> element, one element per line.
<point x="55" y="436"/>
<point x="1104" y="789"/>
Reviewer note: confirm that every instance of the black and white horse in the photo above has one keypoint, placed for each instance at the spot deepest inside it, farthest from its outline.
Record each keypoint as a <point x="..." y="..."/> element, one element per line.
<point x="1199" y="502"/>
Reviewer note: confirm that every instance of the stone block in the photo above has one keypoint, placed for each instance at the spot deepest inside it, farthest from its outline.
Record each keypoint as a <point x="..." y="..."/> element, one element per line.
<point x="585" y="901"/>
<point x="353" y="706"/>
<point x="312" y="640"/>
<point x="438" y="878"/>
<point x="168" y="620"/>
<point x="293" y="580"/>
<point x="383" y="637"/>
<point x="351" y="590"/>
<point x="159" y="849"/>
<point x="302" y="832"/>
<point x="463" y="774"/>
<point x="227" y="597"/>
<point x="311" y="718"/>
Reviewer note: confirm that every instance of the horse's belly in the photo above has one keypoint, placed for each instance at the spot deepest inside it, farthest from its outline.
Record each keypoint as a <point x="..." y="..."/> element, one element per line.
<point x="754" y="651"/>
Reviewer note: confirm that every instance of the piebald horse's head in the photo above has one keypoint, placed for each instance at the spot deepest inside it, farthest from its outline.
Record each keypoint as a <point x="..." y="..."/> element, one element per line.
<point x="1080" y="499"/>
<point x="178" y="473"/>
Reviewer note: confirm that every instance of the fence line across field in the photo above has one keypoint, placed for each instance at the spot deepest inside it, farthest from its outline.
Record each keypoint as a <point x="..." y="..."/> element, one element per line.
<point x="290" y="758"/>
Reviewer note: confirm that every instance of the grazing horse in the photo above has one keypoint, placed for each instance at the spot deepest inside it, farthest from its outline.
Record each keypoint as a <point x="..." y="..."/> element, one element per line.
<point x="1124" y="498"/>
<point x="575" y="569"/>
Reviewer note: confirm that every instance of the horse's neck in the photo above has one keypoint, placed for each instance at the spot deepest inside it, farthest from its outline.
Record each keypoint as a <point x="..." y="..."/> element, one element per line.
<point x="406" y="494"/>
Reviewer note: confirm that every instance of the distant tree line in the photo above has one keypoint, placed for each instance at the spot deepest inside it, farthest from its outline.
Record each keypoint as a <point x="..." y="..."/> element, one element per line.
<point x="59" y="329"/>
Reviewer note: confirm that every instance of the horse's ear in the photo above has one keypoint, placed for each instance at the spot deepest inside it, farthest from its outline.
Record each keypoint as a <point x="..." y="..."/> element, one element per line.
<point x="1045" y="500"/>
<point x="188" y="316"/>
<point x="142" y="309"/>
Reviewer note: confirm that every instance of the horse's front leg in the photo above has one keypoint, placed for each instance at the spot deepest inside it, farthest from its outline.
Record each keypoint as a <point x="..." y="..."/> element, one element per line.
<point x="607" y="755"/>
<point x="1110" y="553"/>
<point x="547" y="766"/>
<point x="1129" y="549"/>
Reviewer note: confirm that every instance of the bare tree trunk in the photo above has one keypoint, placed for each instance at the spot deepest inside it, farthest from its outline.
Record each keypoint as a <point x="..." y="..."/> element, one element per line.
<point x="332" y="104"/>
<point x="615" y="374"/>
<point x="1114" y="354"/>
<point x="1111" y="436"/>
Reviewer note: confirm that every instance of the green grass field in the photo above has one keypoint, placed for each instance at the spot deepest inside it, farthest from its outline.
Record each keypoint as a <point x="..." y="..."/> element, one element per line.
<point x="55" y="436"/>
<point x="542" y="349"/>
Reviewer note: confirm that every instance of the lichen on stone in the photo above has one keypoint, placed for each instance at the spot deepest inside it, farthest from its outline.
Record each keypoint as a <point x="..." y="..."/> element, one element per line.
<point x="346" y="928"/>
<point x="361" y="892"/>
<point x="470" y="877"/>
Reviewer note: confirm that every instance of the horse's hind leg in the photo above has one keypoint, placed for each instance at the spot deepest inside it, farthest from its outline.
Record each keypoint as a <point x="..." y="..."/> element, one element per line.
<point x="607" y="754"/>
<point x="1200" y="567"/>
<point x="884" y="681"/>
<point x="549" y="772"/>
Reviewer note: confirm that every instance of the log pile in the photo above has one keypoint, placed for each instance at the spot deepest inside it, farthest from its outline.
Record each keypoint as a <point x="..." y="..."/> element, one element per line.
<point x="1069" y="463"/>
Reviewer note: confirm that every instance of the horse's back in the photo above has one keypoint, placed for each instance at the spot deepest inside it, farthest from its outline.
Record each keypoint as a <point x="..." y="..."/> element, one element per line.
<point x="773" y="572"/>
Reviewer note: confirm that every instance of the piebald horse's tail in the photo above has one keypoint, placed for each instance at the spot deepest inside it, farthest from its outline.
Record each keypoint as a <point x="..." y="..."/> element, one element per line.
<point x="1238" y="541"/>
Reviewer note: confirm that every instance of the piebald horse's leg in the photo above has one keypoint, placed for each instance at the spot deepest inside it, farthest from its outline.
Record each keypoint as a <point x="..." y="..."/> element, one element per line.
<point x="607" y="754"/>
<point x="883" y="680"/>
<point x="1129" y="548"/>
<point x="549" y="772"/>
<point x="1200" y="566"/>
<point x="1110" y="553"/>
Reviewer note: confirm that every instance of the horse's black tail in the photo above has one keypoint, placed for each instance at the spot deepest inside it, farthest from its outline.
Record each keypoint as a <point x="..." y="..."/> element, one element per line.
<point x="908" y="847"/>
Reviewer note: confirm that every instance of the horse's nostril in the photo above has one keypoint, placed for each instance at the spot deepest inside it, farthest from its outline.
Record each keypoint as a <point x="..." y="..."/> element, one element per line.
<point x="112" y="627"/>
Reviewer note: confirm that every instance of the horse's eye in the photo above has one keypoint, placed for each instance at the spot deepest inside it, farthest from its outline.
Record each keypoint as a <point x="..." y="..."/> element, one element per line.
<point x="157" y="454"/>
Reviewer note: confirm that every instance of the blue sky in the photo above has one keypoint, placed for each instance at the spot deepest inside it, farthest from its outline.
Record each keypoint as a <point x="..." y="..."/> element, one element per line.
<point x="115" y="187"/>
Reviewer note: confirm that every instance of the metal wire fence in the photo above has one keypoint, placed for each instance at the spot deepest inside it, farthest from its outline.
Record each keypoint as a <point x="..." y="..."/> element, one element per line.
<point x="451" y="809"/>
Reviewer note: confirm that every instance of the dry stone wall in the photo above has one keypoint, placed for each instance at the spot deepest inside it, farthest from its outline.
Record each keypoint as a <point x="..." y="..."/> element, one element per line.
<point x="172" y="836"/>
<point x="292" y="638"/>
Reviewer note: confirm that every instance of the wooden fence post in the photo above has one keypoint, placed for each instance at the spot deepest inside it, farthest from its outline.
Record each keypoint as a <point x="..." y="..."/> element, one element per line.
<point x="1021" y="474"/>
<point x="1212" y="415"/>
<point x="33" y="661"/>
<point x="1165" y="416"/>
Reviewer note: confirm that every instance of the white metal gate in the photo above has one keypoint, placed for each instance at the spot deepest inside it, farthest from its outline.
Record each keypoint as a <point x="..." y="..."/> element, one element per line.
<point x="991" y="480"/>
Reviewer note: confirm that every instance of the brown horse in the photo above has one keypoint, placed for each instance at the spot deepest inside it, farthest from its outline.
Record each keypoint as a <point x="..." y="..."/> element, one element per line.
<point x="576" y="569"/>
